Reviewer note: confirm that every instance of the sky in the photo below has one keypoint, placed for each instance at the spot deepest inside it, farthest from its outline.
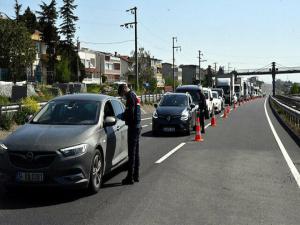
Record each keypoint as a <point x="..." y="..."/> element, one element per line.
<point x="248" y="34"/>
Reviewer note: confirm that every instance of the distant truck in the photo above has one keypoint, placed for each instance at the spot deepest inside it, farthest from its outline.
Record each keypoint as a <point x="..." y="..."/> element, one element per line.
<point x="224" y="83"/>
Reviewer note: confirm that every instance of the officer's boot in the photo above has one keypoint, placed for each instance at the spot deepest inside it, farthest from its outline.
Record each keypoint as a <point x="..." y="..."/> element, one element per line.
<point x="128" y="179"/>
<point x="136" y="175"/>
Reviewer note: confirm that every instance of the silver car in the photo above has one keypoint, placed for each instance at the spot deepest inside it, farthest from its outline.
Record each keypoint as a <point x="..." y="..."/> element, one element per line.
<point x="73" y="141"/>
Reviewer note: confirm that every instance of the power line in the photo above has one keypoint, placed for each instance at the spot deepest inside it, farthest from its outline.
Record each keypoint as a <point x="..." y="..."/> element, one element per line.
<point x="107" y="43"/>
<point x="153" y="33"/>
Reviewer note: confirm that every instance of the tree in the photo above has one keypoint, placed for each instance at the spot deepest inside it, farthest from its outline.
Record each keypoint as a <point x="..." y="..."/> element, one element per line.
<point x="47" y="18"/>
<point x="152" y="84"/>
<point x="17" y="52"/>
<point x="17" y="10"/>
<point x="29" y="19"/>
<point x="67" y="27"/>
<point x="63" y="73"/>
<point x="144" y="68"/>
<point x="208" y="81"/>
<point x="295" y="89"/>
<point x="221" y="71"/>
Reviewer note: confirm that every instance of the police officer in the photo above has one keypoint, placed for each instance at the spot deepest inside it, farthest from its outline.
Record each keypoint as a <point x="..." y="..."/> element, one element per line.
<point x="202" y="109"/>
<point x="132" y="117"/>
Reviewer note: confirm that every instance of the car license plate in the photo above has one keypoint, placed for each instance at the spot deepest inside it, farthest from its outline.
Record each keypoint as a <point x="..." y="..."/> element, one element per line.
<point x="30" y="177"/>
<point x="169" y="129"/>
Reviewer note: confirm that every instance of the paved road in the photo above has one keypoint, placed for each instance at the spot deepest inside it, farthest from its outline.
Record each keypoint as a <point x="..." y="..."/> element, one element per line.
<point x="238" y="175"/>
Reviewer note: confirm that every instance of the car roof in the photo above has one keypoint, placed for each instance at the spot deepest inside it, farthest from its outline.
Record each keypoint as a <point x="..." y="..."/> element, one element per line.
<point x="176" y="93"/>
<point x="215" y="92"/>
<point x="189" y="87"/>
<point x="86" y="97"/>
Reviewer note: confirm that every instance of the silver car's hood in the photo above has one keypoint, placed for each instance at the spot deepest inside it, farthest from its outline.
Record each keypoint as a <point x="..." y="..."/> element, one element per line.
<point x="37" y="137"/>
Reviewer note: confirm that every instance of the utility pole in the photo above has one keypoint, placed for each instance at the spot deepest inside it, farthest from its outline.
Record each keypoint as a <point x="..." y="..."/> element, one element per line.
<point x="77" y="59"/>
<point x="274" y="70"/>
<point x="131" y="24"/>
<point x="174" y="47"/>
<point x="215" y="63"/>
<point x="200" y="60"/>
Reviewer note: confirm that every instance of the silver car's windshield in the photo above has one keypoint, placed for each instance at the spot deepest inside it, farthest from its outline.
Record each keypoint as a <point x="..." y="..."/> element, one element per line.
<point x="69" y="112"/>
<point x="174" y="100"/>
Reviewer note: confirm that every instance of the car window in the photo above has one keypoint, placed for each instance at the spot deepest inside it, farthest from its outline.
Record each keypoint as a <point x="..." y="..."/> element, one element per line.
<point x="174" y="100"/>
<point x="68" y="112"/>
<point x="193" y="93"/>
<point x="108" y="110"/>
<point x="118" y="109"/>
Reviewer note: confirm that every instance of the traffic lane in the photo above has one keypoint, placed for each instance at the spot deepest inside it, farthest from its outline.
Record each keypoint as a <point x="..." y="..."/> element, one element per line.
<point x="36" y="207"/>
<point x="225" y="181"/>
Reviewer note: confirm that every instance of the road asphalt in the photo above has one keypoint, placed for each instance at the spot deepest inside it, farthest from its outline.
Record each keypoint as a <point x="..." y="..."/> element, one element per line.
<point x="238" y="175"/>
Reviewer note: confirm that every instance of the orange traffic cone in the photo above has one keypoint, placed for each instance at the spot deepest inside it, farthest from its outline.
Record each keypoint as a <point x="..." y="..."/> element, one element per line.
<point x="213" y="121"/>
<point x="225" y="113"/>
<point x="228" y="109"/>
<point x="198" y="136"/>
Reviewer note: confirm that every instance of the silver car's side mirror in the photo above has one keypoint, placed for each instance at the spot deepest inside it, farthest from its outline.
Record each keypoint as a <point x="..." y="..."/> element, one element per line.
<point x="110" y="121"/>
<point x="28" y="118"/>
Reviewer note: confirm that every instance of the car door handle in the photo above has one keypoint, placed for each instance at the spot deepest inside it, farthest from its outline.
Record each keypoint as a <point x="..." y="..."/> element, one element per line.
<point x="118" y="128"/>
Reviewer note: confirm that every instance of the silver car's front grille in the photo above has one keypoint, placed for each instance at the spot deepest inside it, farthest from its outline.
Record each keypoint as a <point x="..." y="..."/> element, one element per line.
<point x="31" y="159"/>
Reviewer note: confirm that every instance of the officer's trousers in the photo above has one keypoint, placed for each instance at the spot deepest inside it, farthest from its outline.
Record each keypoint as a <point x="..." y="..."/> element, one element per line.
<point x="133" y="152"/>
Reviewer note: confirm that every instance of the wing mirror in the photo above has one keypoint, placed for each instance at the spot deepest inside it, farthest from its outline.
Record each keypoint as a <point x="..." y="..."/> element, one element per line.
<point x="28" y="118"/>
<point x="155" y="105"/>
<point x="192" y="105"/>
<point x="110" y="121"/>
<point x="211" y="99"/>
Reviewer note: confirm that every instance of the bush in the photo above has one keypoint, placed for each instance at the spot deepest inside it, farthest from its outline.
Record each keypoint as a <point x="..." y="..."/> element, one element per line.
<point x="20" y="117"/>
<point x="93" y="88"/>
<point x="6" y="121"/>
<point x="4" y="100"/>
<point x="30" y="106"/>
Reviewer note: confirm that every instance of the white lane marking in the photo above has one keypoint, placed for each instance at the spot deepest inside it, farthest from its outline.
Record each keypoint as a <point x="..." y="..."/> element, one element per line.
<point x="145" y="126"/>
<point x="286" y="156"/>
<point x="222" y="115"/>
<point x="207" y="125"/>
<point x="169" y="153"/>
<point x="149" y="118"/>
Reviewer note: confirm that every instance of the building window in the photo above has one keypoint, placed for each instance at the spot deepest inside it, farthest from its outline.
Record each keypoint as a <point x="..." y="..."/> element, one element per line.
<point x="107" y="58"/>
<point x="117" y="66"/>
<point x="108" y="66"/>
<point x="92" y="62"/>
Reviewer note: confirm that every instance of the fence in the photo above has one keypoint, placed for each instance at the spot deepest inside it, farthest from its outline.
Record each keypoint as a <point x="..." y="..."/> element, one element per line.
<point x="149" y="98"/>
<point x="292" y="115"/>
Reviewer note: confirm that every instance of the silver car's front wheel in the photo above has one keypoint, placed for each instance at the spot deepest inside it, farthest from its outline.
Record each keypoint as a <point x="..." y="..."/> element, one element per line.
<point x="96" y="172"/>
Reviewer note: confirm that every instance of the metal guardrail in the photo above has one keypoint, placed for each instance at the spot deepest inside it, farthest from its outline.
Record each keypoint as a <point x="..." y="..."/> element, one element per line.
<point x="293" y="115"/>
<point x="15" y="107"/>
<point x="149" y="98"/>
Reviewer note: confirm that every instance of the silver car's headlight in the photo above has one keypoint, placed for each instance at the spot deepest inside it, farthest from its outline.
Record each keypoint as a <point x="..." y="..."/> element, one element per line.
<point x="3" y="148"/>
<point x="77" y="150"/>
<point x="185" y="115"/>
<point x="155" y="116"/>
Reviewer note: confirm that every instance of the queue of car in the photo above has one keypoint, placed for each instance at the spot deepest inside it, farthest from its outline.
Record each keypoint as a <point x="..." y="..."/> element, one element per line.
<point x="74" y="140"/>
